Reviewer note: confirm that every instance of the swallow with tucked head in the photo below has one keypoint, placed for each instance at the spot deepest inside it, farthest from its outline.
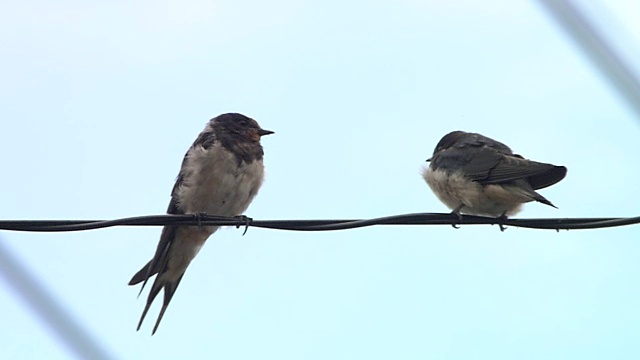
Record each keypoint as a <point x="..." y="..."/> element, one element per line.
<point x="473" y="174"/>
<point x="220" y="175"/>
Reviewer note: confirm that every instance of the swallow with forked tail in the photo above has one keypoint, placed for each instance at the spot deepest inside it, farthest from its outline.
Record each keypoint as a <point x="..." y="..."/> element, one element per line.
<point x="220" y="175"/>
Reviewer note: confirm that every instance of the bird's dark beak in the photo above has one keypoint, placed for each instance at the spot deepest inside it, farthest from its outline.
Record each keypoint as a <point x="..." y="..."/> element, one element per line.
<point x="263" y="132"/>
<point x="429" y="159"/>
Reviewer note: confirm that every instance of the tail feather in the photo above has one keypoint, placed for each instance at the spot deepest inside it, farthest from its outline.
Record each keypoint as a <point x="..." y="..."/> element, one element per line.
<point x="142" y="275"/>
<point x="169" y="289"/>
<point x="542" y="199"/>
<point x="168" y="275"/>
<point x="153" y="267"/>
<point x="158" y="262"/>
<point x="155" y="290"/>
<point x="144" y="314"/>
<point x="524" y="188"/>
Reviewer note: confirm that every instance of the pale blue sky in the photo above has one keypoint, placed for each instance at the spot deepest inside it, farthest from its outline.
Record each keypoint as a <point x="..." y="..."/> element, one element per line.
<point x="100" y="102"/>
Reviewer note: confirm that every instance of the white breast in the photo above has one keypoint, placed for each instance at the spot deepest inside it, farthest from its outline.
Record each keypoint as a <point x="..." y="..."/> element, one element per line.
<point x="454" y="189"/>
<point x="215" y="184"/>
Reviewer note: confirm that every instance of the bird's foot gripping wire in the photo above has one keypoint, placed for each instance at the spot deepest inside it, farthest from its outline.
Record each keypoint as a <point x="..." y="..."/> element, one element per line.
<point x="198" y="217"/>
<point x="457" y="213"/>
<point x="501" y="219"/>
<point x="243" y="221"/>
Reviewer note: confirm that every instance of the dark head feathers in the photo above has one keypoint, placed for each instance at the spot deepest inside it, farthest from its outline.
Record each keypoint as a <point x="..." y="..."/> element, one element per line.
<point x="237" y="133"/>
<point x="238" y="124"/>
<point x="461" y="139"/>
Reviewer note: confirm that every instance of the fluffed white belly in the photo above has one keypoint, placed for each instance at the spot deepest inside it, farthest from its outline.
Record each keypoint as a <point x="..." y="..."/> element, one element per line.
<point x="454" y="190"/>
<point x="214" y="183"/>
<point x="217" y="184"/>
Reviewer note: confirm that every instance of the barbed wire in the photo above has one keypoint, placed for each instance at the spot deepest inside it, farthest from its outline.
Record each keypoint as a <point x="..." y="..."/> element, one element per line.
<point x="315" y="225"/>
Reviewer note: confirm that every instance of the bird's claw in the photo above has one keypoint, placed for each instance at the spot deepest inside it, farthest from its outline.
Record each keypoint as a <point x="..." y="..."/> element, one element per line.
<point x="457" y="213"/>
<point x="243" y="220"/>
<point x="501" y="219"/>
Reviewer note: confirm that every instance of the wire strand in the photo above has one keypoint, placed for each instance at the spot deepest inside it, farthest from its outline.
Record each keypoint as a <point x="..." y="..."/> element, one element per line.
<point x="314" y="225"/>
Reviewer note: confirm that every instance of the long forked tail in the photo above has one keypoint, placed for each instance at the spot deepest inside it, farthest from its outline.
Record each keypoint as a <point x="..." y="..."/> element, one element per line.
<point x="163" y="280"/>
<point x="159" y="283"/>
<point x="169" y="289"/>
<point x="168" y="272"/>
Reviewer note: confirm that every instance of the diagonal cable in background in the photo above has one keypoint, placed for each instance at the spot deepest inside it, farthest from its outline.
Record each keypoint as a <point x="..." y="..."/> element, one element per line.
<point x="59" y="321"/>
<point x="592" y="42"/>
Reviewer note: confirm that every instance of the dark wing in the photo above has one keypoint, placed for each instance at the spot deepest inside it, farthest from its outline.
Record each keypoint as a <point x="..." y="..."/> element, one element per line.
<point x="548" y="178"/>
<point x="158" y="264"/>
<point x="206" y="139"/>
<point x="487" y="166"/>
<point x="166" y="238"/>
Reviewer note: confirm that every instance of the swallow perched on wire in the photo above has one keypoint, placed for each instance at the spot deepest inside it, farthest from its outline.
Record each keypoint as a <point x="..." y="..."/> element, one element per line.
<point x="473" y="174"/>
<point x="220" y="174"/>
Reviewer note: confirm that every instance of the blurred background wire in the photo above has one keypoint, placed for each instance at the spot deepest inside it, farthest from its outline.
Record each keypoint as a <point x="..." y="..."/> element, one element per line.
<point x="44" y="305"/>
<point x="573" y="20"/>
